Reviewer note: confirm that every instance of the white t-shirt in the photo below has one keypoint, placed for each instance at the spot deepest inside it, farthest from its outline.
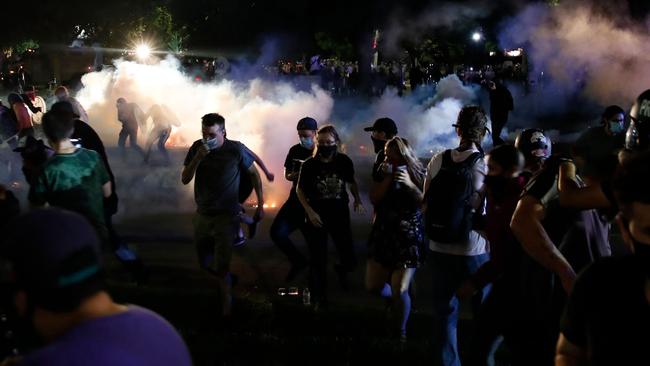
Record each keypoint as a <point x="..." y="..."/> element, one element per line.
<point x="38" y="102"/>
<point x="477" y="243"/>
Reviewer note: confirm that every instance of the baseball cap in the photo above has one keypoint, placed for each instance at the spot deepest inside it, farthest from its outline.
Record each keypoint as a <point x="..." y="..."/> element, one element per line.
<point x="63" y="107"/>
<point x="55" y="257"/>
<point x="384" y="124"/>
<point x="307" y="123"/>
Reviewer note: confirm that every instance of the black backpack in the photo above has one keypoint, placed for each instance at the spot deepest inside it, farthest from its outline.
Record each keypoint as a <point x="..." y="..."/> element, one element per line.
<point x="449" y="216"/>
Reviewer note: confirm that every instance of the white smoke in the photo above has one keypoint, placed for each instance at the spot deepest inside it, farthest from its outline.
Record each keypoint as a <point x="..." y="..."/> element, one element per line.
<point x="603" y="56"/>
<point x="261" y="114"/>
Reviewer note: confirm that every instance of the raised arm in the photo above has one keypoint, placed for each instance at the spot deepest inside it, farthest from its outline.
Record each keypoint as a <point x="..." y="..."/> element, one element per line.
<point x="527" y="227"/>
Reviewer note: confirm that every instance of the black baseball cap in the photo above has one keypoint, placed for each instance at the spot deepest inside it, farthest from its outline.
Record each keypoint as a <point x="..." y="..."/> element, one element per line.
<point x="384" y="124"/>
<point x="307" y="123"/>
<point x="63" y="108"/>
<point x="54" y="256"/>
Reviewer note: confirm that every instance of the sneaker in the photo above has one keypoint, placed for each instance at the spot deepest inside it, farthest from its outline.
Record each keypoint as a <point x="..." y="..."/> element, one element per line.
<point x="240" y="239"/>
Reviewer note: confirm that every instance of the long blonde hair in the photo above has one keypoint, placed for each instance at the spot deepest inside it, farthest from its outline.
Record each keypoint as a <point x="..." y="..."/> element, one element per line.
<point x="413" y="165"/>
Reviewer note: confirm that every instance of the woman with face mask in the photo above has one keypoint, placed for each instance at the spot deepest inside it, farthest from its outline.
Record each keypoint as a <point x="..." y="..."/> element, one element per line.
<point x="396" y="244"/>
<point x="322" y="191"/>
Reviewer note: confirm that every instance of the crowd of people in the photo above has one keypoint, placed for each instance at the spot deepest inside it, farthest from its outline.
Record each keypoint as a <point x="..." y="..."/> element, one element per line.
<point x="520" y="232"/>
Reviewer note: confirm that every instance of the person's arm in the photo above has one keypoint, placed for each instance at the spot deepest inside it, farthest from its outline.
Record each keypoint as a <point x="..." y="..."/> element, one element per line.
<point x="291" y="176"/>
<point x="190" y="168"/>
<point x="569" y="354"/>
<point x="403" y="177"/>
<point x="312" y="216"/>
<point x="106" y="189"/>
<point x="22" y="115"/>
<point x="354" y="189"/>
<point x="269" y="176"/>
<point x="572" y="195"/>
<point x="378" y="190"/>
<point x="527" y="227"/>
<point x="259" y="192"/>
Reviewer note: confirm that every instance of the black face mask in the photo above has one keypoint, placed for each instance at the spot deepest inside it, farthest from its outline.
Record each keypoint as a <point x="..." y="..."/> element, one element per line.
<point x="326" y="151"/>
<point x="378" y="144"/>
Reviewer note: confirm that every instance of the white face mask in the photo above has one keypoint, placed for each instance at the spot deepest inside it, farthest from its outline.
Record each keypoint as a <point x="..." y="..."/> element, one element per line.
<point x="307" y="142"/>
<point x="211" y="144"/>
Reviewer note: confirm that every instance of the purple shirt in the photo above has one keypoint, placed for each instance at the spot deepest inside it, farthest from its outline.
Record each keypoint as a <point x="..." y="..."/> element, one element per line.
<point x="135" y="337"/>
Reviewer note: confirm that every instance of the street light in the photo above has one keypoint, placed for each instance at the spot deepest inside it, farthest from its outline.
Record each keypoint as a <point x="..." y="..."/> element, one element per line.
<point x="476" y="36"/>
<point x="142" y="51"/>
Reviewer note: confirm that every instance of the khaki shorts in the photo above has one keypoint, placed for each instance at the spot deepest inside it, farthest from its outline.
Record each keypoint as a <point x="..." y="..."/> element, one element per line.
<point x="213" y="237"/>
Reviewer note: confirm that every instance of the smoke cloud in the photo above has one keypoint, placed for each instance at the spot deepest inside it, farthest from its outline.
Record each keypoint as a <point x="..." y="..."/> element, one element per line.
<point x="600" y="55"/>
<point x="403" y="26"/>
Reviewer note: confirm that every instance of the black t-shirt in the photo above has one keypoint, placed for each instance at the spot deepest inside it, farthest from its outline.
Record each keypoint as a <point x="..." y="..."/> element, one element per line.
<point x="216" y="183"/>
<point x="324" y="183"/>
<point x="296" y="156"/>
<point x="608" y="314"/>
<point x="377" y="174"/>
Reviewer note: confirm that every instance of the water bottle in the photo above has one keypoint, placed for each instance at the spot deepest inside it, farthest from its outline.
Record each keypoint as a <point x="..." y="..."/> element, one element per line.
<point x="306" y="296"/>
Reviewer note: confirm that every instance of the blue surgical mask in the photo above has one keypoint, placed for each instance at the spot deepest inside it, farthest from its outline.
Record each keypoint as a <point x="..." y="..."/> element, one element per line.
<point x="211" y="144"/>
<point x="616" y="128"/>
<point x="307" y="142"/>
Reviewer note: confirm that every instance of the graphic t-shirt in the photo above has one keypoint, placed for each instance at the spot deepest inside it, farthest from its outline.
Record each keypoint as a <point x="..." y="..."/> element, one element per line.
<point x="324" y="183"/>
<point x="296" y="156"/>
<point x="608" y="314"/>
<point x="216" y="183"/>
<point x="136" y="337"/>
<point x="74" y="182"/>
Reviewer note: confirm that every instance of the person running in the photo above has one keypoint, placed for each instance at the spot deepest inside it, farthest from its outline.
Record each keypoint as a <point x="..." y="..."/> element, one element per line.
<point x="322" y="192"/>
<point x="163" y="119"/>
<point x="396" y="244"/>
<point x="291" y="216"/>
<point x="130" y="115"/>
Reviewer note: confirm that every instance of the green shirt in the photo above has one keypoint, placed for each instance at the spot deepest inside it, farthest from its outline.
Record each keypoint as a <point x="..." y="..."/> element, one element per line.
<point x="73" y="182"/>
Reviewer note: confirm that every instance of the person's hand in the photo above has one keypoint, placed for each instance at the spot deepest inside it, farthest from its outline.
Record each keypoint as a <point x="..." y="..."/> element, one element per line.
<point x="314" y="218"/>
<point x="567" y="279"/>
<point x="201" y="152"/>
<point x="466" y="290"/>
<point x="270" y="176"/>
<point x="358" y="207"/>
<point x="402" y="176"/>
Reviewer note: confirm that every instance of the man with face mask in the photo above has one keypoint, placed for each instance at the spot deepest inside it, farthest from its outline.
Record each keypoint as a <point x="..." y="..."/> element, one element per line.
<point x="218" y="164"/>
<point x="607" y="318"/>
<point x="292" y="215"/>
<point x="382" y="130"/>
<point x="596" y="150"/>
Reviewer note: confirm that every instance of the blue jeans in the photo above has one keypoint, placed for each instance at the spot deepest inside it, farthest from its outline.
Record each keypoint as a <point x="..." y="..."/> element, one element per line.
<point x="448" y="272"/>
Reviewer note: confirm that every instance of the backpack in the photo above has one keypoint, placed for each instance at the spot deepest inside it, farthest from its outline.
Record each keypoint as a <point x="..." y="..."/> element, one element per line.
<point x="449" y="216"/>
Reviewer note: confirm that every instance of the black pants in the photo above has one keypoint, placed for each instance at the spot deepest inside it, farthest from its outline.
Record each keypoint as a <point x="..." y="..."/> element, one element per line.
<point x="132" y="134"/>
<point x="290" y="218"/>
<point x="336" y="222"/>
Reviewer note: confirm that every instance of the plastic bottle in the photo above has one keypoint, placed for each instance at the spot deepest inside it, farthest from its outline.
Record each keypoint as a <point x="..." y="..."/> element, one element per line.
<point x="306" y="296"/>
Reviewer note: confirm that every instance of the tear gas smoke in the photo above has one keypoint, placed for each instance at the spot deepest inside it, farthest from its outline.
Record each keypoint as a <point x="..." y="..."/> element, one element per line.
<point x="603" y="57"/>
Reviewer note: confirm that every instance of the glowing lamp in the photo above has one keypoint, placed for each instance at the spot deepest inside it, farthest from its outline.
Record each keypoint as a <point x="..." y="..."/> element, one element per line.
<point x="143" y="51"/>
<point x="476" y="36"/>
